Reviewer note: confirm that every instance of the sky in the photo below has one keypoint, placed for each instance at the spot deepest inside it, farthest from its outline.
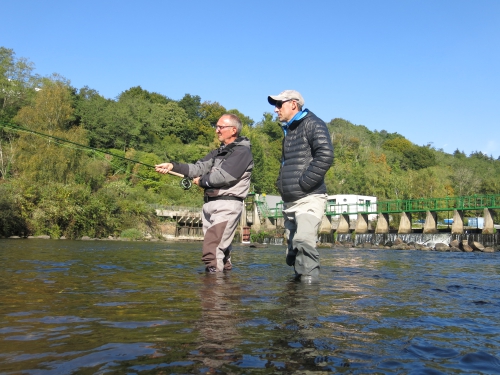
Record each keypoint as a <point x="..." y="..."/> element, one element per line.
<point x="426" y="69"/>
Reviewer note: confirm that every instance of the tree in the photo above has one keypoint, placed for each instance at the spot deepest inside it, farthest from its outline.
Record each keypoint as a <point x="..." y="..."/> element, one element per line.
<point x="266" y="156"/>
<point x="171" y="119"/>
<point x="210" y="113"/>
<point x="346" y="149"/>
<point x="376" y="176"/>
<point x="406" y="155"/>
<point x="17" y="84"/>
<point x="479" y="155"/>
<point x="459" y="154"/>
<point x="245" y="120"/>
<point x="43" y="159"/>
<point x="192" y="105"/>
<point x="398" y="186"/>
<point x="490" y="185"/>
<point x="465" y="182"/>
<point x="398" y="145"/>
<point x="138" y="93"/>
<point x="6" y="152"/>
<point x="430" y="183"/>
<point x="419" y="157"/>
<point x="266" y="138"/>
<point x="91" y="110"/>
<point x="270" y="127"/>
<point x="12" y="222"/>
<point x="51" y="109"/>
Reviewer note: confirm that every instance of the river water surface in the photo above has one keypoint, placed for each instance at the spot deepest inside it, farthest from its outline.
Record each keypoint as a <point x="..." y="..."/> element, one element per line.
<point x="102" y="307"/>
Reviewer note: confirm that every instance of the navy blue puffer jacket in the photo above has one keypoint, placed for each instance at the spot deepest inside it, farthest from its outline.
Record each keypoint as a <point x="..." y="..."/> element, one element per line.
<point x="307" y="156"/>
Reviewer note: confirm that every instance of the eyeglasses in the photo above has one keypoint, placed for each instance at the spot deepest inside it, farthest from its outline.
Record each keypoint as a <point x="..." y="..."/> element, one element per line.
<point x="220" y="127"/>
<point x="280" y="104"/>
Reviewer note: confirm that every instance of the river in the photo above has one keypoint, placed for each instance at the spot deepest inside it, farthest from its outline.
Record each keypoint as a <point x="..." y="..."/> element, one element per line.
<point x="107" y="307"/>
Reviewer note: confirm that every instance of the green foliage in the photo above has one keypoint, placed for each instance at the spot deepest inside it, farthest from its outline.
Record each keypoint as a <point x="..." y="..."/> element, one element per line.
<point x="419" y="157"/>
<point x="490" y="185"/>
<point x="43" y="159"/>
<point x="398" y="145"/>
<point x="12" y="221"/>
<point x="210" y="113"/>
<point x="259" y="236"/>
<point x="7" y="152"/>
<point x="406" y="156"/>
<point x="192" y="105"/>
<point x="17" y="83"/>
<point x="132" y="234"/>
<point x="270" y="127"/>
<point x="459" y="154"/>
<point x="91" y="110"/>
<point x="266" y="138"/>
<point x="53" y="188"/>
<point x="139" y="120"/>
<point x="138" y="94"/>
<point x="245" y="120"/>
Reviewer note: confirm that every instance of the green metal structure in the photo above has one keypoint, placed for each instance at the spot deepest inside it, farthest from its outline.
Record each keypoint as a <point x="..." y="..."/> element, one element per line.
<point x="474" y="202"/>
<point x="266" y="212"/>
<point x="463" y="203"/>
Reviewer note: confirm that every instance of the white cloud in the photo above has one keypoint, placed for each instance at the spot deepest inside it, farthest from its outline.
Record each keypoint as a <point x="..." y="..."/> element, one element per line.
<point x="491" y="147"/>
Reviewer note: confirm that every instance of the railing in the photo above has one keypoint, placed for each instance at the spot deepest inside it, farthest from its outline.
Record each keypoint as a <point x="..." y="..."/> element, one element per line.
<point x="262" y="208"/>
<point x="464" y="203"/>
<point x="277" y="212"/>
<point x="474" y="202"/>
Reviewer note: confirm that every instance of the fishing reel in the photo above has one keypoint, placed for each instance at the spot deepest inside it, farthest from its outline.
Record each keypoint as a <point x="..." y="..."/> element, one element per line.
<point x="186" y="183"/>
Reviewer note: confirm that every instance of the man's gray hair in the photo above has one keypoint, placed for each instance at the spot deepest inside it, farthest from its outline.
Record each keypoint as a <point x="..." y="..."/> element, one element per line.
<point x="234" y="121"/>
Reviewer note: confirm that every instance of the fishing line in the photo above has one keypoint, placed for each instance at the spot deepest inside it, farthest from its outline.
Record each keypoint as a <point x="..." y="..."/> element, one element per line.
<point x="185" y="182"/>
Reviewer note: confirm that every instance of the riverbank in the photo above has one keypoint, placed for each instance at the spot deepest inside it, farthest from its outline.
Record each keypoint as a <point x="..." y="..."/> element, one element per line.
<point x="167" y="238"/>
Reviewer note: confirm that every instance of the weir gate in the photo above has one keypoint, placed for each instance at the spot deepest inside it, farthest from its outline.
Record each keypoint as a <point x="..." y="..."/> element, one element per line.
<point x="426" y="216"/>
<point x="450" y="210"/>
<point x="188" y="219"/>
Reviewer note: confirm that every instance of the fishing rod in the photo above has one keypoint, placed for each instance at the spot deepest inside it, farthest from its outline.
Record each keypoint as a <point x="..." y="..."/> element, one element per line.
<point x="185" y="182"/>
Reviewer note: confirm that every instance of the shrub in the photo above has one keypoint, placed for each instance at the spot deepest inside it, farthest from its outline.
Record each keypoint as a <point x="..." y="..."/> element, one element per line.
<point x="259" y="236"/>
<point x="132" y="234"/>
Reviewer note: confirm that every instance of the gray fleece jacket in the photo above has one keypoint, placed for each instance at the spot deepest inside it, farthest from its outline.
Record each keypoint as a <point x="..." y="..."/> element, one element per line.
<point x="225" y="171"/>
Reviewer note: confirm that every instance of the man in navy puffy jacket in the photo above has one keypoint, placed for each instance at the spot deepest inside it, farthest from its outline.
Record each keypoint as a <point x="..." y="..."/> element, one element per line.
<point x="307" y="156"/>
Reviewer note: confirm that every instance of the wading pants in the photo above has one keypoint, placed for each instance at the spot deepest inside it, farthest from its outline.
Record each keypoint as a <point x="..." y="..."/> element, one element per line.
<point x="302" y="221"/>
<point x="220" y="220"/>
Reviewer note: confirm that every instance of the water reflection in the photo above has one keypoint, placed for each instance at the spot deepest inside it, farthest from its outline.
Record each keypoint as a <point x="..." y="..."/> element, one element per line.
<point x="303" y="337"/>
<point x="217" y="326"/>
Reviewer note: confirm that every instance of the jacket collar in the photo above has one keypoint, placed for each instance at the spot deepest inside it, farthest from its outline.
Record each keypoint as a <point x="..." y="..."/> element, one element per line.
<point x="298" y="116"/>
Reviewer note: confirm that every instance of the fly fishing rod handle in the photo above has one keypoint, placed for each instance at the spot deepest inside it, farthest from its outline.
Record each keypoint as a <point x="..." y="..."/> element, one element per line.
<point x="176" y="174"/>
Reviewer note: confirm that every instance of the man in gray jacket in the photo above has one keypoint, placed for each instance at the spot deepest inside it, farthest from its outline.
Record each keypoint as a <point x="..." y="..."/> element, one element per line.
<point x="307" y="155"/>
<point x="224" y="174"/>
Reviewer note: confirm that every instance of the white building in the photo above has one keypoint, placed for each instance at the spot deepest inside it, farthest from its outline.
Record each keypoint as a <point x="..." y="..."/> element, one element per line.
<point x="346" y="203"/>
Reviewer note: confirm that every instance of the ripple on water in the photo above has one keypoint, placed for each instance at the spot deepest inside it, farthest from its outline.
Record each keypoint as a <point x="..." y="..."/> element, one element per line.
<point x="149" y="308"/>
<point x="103" y="358"/>
<point x="134" y="325"/>
<point x="427" y="351"/>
